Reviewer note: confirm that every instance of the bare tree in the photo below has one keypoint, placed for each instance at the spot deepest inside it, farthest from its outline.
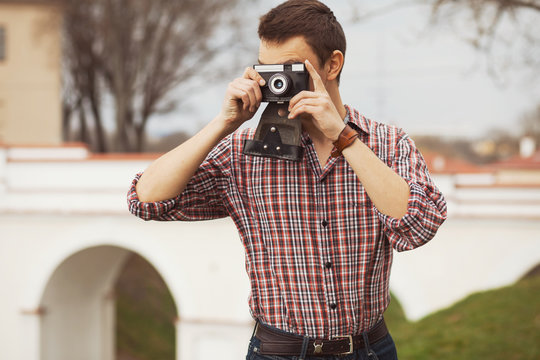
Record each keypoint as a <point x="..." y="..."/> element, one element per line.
<point x="82" y="74"/>
<point x="486" y="20"/>
<point x="137" y="52"/>
<point x="530" y="123"/>
<point x="506" y="31"/>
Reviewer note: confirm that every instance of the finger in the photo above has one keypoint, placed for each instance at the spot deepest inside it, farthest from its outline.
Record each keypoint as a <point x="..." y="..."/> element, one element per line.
<point x="250" y="73"/>
<point x="303" y="109"/>
<point x="305" y="101"/>
<point x="253" y="84"/>
<point x="258" y="93"/>
<point x="317" y="81"/>
<point x="255" y="94"/>
<point x="238" y="95"/>
<point x="247" y="93"/>
<point x="302" y="106"/>
<point x="304" y="94"/>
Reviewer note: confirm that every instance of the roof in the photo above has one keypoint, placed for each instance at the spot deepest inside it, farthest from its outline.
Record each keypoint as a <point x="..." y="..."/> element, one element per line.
<point x="69" y="151"/>
<point x="441" y="164"/>
<point x="46" y="2"/>
<point x="519" y="163"/>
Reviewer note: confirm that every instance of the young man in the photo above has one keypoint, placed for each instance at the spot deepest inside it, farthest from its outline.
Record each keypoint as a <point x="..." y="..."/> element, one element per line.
<point x="318" y="233"/>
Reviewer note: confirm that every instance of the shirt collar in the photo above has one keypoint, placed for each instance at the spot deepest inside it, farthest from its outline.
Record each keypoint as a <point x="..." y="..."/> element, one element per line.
<point x="358" y="121"/>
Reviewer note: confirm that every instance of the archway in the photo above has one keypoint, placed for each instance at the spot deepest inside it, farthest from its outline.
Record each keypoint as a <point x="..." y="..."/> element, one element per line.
<point x="79" y="305"/>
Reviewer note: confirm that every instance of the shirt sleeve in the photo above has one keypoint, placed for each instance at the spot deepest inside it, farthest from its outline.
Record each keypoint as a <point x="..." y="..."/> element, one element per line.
<point x="426" y="209"/>
<point x="202" y="199"/>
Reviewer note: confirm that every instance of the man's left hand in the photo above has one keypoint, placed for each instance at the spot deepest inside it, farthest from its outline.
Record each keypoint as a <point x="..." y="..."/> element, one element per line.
<point x="319" y="105"/>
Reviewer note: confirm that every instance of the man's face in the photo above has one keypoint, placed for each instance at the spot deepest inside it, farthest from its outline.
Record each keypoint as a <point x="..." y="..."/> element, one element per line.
<point x="294" y="50"/>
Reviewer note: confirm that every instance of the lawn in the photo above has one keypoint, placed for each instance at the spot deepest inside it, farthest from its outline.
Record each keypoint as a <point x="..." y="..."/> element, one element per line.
<point x="497" y="324"/>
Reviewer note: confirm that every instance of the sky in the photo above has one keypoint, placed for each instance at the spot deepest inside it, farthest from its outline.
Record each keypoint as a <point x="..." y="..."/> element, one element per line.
<point x="398" y="70"/>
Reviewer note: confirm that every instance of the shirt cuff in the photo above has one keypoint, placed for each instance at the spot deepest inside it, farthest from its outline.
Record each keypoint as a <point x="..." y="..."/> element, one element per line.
<point x="147" y="210"/>
<point x="418" y="225"/>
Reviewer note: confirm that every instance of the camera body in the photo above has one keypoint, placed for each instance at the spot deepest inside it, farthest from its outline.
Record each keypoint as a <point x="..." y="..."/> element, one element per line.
<point x="283" y="81"/>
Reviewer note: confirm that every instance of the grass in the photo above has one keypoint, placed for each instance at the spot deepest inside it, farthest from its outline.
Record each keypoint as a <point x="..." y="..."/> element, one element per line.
<point x="145" y="314"/>
<point x="498" y="324"/>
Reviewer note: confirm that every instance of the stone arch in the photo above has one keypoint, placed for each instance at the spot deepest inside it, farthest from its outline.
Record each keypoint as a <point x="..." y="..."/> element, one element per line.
<point x="78" y="304"/>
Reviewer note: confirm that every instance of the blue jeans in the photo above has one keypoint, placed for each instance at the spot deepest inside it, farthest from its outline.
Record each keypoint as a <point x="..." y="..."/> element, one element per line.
<point x="385" y="349"/>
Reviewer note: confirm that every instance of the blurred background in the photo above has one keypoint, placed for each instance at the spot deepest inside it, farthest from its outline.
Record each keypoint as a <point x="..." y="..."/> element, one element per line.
<point x="91" y="91"/>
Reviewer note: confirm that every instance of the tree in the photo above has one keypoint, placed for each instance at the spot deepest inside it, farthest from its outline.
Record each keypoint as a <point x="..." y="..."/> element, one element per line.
<point x="483" y="23"/>
<point x="530" y="123"/>
<point x="506" y="31"/>
<point x="135" y="52"/>
<point x="82" y="72"/>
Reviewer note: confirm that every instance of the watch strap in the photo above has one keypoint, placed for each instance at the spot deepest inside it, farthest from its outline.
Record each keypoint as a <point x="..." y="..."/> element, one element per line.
<point x="347" y="136"/>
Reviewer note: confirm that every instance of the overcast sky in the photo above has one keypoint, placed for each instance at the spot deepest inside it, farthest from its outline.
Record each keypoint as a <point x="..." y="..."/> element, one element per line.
<point x="400" y="70"/>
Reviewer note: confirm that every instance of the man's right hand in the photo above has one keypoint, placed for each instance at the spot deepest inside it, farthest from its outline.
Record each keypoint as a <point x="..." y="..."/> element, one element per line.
<point x="242" y="99"/>
<point x="168" y="176"/>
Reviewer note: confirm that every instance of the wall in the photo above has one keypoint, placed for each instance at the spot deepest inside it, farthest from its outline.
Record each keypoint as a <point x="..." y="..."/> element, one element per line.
<point x="201" y="263"/>
<point x="80" y="288"/>
<point x="30" y="104"/>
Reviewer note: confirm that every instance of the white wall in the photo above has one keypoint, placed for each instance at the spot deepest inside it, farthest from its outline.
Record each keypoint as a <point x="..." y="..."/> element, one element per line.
<point x="202" y="265"/>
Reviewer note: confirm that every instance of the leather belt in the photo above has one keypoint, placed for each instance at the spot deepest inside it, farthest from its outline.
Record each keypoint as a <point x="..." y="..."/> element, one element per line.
<point x="275" y="342"/>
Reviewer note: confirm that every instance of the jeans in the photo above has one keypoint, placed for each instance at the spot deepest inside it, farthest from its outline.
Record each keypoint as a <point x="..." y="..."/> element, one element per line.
<point x="385" y="349"/>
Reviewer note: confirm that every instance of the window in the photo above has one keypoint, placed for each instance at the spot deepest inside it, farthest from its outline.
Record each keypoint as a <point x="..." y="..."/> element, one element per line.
<point x="2" y="43"/>
<point x="3" y="121"/>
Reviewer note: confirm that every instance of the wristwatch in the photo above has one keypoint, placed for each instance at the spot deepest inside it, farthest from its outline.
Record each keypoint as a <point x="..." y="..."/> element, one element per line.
<point x="345" y="139"/>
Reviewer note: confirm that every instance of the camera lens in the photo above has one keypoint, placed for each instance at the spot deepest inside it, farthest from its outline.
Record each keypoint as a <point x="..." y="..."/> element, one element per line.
<point x="278" y="84"/>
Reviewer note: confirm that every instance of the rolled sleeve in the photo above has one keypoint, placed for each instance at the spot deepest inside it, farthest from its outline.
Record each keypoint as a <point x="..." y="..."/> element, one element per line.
<point x="202" y="199"/>
<point x="426" y="208"/>
<point x="147" y="210"/>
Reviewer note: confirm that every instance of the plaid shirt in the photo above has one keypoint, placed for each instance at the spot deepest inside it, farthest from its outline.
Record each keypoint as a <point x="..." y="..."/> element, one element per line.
<point x="318" y="253"/>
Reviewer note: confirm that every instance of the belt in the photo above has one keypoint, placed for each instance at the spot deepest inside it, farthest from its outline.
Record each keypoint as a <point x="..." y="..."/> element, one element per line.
<point x="275" y="342"/>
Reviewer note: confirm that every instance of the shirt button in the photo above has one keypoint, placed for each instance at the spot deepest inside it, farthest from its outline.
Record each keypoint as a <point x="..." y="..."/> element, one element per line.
<point x="328" y="265"/>
<point x="324" y="223"/>
<point x="333" y="306"/>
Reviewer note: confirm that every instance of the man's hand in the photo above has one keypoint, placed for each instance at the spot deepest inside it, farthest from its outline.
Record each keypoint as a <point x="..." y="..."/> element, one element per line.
<point x="242" y="99"/>
<point x="169" y="175"/>
<point x="319" y="105"/>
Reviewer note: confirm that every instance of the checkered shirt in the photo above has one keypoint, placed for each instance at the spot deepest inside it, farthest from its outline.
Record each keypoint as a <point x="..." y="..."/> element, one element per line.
<point x="318" y="252"/>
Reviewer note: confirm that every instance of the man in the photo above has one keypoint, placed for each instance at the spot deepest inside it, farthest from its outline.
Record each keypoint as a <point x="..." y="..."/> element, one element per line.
<point x="318" y="233"/>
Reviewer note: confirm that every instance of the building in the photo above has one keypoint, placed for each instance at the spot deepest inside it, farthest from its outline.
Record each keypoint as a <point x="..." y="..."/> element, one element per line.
<point x="523" y="170"/>
<point x="30" y="96"/>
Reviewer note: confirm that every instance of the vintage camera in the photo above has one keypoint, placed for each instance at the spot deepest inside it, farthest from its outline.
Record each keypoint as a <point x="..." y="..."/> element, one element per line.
<point x="276" y="136"/>
<point x="283" y="81"/>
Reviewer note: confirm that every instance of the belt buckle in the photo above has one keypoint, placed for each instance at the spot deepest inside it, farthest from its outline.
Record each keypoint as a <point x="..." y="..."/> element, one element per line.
<point x="351" y="343"/>
<point x="318" y="345"/>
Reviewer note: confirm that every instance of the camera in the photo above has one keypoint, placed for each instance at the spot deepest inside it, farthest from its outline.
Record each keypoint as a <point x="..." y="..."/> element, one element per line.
<point x="276" y="136"/>
<point x="283" y="81"/>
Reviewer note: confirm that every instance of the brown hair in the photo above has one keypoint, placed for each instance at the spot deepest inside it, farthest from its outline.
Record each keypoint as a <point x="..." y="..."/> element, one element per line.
<point x="308" y="18"/>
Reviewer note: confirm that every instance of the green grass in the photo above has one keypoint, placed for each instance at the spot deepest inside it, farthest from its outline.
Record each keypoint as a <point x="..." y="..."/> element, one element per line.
<point x="145" y="314"/>
<point x="498" y="324"/>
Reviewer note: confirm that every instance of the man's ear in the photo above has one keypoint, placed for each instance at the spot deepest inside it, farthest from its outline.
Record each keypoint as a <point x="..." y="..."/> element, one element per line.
<point x="334" y="65"/>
